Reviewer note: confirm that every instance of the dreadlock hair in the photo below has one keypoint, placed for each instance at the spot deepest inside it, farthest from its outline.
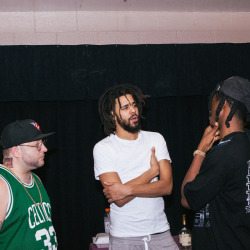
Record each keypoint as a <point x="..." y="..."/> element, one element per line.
<point x="106" y="104"/>
<point x="237" y="108"/>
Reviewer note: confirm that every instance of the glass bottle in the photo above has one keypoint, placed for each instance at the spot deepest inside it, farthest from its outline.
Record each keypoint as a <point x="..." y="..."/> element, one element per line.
<point x="185" y="235"/>
<point x="106" y="220"/>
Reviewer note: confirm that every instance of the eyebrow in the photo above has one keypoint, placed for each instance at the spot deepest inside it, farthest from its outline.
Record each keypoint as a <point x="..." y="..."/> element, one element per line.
<point x="125" y="105"/>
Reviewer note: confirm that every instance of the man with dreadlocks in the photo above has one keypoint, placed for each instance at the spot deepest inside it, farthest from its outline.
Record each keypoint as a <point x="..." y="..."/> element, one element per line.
<point x="218" y="180"/>
<point x="128" y="163"/>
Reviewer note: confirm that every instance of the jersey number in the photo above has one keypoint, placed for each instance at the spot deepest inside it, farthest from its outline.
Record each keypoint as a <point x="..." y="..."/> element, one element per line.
<point x="44" y="232"/>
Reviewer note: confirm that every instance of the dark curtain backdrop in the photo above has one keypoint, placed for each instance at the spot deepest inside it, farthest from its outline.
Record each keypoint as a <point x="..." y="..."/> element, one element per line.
<point x="58" y="86"/>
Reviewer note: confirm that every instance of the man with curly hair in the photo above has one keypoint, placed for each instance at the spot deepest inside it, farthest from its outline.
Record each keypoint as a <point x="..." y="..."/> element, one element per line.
<point x="134" y="168"/>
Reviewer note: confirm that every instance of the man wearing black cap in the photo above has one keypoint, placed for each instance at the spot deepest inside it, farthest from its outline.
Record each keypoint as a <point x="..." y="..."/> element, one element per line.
<point x="218" y="180"/>
<point x="25" y="210"/>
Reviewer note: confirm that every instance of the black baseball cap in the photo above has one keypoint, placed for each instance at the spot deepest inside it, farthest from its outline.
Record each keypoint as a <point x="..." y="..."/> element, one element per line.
<point x="237" y="88"/>
<point x="21" y="131"/>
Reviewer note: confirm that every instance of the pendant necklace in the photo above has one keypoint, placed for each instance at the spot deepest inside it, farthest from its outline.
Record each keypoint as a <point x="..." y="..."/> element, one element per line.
<point x="37" y="204"/>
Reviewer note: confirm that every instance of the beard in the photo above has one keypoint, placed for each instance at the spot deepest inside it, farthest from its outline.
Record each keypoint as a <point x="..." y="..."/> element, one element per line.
<point x="32" y="161"/>
<point x="126" y="125"/>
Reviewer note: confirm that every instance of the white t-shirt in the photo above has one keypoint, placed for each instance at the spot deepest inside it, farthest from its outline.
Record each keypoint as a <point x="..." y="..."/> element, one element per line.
<point x="130" y="159"/>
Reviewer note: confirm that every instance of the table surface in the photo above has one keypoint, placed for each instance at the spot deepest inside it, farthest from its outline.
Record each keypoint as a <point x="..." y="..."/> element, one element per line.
<point x="92" y="246"/>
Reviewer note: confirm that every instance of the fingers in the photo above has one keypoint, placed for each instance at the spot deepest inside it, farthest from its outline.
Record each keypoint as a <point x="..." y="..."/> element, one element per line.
<point x="216" y="132"/>
<point x="212" y="127"/>
<point x="212" y="130"/>
<point x="107" y="194"/>
<point x="153" y="151"/>
<point x="108" y="183"/>
<point x="216" y="126"/>
<point x="216" y="138"/>
<point x="211" y="134"/>
<point x="153" y="157"/>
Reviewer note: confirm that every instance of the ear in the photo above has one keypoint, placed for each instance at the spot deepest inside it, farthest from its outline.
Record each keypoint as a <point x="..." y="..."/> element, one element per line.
<point x="226" y="106"/>
<point x="113" y="116"/>
<point x="225" y="111"/>
<point x="15" y="151"/>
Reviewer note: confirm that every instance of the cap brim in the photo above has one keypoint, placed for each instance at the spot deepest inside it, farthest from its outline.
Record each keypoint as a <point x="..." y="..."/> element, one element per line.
<point x="41" y="136"/>
<point x="28" y="139"/>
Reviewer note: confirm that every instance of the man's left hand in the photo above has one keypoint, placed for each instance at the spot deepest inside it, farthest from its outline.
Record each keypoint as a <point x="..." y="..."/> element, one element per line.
<point x="115" y="191"/>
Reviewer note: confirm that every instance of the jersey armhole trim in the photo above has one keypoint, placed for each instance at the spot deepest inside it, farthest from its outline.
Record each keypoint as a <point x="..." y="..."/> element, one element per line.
<point x="11" y="199"/>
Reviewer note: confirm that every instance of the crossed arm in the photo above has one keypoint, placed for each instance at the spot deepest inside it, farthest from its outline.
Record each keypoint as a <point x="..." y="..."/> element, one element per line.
<point x="4" y="198"/>
<point x="141" y="186"/>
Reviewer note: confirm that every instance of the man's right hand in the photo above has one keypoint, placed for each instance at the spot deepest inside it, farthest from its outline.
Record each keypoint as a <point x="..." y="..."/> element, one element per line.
<point x="210" y="135"/>
<point x="155" y="166"/>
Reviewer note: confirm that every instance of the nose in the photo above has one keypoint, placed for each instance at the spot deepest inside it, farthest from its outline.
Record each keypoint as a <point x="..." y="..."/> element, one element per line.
<point x="132" y="108"/>
<point x="44" y="149"/>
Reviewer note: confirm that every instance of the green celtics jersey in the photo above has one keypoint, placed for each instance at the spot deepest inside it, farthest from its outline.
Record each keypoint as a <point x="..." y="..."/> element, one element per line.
<point x="26" y="226"/>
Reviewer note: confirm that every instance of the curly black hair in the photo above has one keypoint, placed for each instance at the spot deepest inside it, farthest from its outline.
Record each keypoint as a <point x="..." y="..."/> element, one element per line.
<point x="106" y="104"/>
<point x="237" y="108"/>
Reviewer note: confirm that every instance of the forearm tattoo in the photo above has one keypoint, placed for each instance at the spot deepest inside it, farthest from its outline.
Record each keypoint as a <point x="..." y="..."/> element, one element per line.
<point x="8" y="162"/>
